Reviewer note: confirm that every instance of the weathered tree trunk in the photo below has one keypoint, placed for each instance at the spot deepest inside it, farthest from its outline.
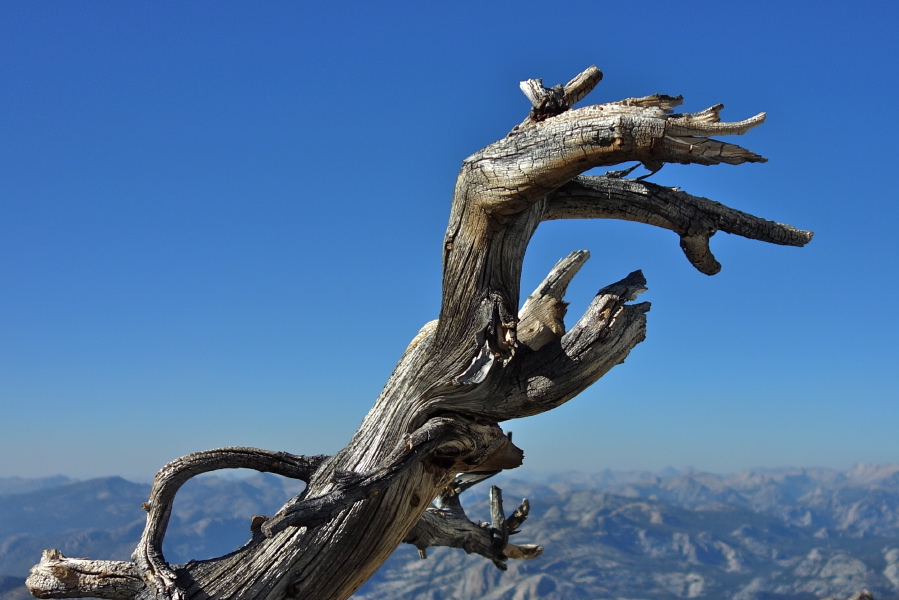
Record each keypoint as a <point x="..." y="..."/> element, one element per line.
<point x="480" y="363"/>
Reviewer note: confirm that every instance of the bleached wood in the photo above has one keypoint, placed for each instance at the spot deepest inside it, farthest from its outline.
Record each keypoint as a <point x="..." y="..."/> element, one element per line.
<point x="58" y="576"/>
<point x="480" y="363"/>
<point x="541" y="319"/>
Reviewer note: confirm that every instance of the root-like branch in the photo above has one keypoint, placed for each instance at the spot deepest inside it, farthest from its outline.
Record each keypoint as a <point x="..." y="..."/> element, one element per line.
<point x="446" y="524"/>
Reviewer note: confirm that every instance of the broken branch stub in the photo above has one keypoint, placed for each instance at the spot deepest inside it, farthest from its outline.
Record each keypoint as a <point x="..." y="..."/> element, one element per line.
<point x="485" y="360"/>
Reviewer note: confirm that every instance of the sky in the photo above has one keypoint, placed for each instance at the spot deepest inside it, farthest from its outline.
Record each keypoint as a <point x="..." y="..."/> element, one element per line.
<point x="221" y="224"/>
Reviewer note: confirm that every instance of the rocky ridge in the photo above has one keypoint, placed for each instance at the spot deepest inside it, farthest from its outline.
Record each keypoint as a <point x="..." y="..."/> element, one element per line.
<point x="781" y="534"/>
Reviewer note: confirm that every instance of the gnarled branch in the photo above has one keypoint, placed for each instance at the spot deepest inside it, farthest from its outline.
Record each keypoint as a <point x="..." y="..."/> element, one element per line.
<point x="693" y="218"/>
<point x="483" y="361"/>
<point x="148" y="557"/>
<point x="445" y="524"/>
<point x="445" y="441"/>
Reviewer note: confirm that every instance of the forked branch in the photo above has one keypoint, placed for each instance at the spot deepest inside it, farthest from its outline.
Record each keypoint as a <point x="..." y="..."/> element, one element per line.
<point x="446" y="524"/>
<point x="542" y="318"/>
<point x="548" y="102"/>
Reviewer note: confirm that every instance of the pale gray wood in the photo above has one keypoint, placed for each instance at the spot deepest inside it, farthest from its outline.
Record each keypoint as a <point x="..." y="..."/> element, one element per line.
<point x="58" y="576"/>
<point x="480" y="363"/>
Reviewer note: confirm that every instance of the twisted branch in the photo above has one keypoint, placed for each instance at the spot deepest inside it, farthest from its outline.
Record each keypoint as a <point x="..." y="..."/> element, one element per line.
<point x="445" y="441"/>
<point x="445" y="524"/>
<point x="482" y="362"/>
<point x="148" y="557"/>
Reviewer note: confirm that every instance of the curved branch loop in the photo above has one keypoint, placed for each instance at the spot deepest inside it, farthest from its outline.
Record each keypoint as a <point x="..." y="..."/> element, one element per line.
<point x="148" y="557"/>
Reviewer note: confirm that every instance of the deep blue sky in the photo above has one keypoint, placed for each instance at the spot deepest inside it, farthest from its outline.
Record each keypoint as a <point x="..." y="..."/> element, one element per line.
<point x="220" y="224"/>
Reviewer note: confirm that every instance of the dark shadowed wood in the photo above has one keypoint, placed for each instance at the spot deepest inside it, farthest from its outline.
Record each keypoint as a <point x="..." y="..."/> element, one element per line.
<point x="485" y="360"/>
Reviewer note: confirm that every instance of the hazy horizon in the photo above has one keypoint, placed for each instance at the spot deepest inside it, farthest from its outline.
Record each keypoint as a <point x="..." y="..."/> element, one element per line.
<point x="520" y="473"/>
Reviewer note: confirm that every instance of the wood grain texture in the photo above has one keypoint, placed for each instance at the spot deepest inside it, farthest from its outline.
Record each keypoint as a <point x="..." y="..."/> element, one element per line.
<point x="483" y="361"/>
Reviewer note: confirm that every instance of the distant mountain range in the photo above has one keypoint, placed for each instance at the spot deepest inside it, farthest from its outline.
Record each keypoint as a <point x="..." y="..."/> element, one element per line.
<point x="787" y="534"/>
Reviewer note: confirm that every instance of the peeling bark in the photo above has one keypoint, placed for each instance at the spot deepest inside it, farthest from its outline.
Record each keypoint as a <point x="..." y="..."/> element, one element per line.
<point x="480" y="363"/>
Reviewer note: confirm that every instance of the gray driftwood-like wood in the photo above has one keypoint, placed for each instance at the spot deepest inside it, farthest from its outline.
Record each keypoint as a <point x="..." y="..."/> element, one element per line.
<point x="480" y="363"/>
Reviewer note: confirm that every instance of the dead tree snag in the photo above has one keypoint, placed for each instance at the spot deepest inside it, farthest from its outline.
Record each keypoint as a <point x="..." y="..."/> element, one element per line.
<point x="433" y="431"/>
